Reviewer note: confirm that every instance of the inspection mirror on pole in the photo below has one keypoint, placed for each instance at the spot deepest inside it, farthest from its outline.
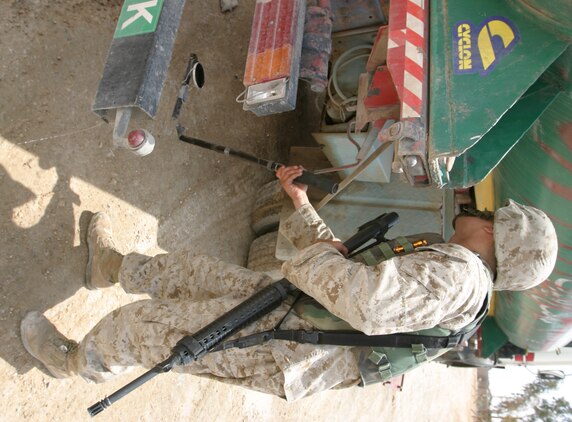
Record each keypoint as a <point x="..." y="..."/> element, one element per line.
<point x="195" y="76"/>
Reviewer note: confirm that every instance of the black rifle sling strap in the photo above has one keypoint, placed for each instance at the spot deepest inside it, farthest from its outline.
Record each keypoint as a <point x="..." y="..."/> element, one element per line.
<point x="356" y="338"/>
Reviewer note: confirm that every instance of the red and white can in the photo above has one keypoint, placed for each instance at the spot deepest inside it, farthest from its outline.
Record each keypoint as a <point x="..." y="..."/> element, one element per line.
<point x="141" y="142"/>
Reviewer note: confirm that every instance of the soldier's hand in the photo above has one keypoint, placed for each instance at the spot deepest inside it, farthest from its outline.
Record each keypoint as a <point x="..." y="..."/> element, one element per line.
<point x="296" y="191"/>
<point x="340" y="247"/>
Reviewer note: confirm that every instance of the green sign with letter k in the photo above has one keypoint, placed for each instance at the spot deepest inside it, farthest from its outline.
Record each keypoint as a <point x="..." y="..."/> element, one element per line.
<point x="138" y="17"/>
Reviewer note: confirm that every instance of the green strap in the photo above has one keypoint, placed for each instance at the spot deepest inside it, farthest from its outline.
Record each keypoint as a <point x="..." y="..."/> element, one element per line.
<point x="383" y="251"/>
<point x="405" y="244"/>
<point x="368" y="258"/>
<point x="386" y="250"/>
<point x="420" y="352"/>
<point x="382" y="362"/>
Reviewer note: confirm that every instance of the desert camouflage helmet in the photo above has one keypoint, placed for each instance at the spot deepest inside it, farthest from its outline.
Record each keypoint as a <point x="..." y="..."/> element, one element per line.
<point x="525" y="246"/>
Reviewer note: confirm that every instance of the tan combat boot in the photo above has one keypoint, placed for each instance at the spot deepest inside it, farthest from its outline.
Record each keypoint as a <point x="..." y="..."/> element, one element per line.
<point x="104" y="261"/>
<point x="43" y="341"/>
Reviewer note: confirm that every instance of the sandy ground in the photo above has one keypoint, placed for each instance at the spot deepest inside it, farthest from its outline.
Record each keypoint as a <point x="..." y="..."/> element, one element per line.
<point x="57" y="166"/>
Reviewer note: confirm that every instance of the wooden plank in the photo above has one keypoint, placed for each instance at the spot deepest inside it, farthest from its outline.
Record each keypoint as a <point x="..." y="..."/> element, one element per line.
<point x="362" y="114"/>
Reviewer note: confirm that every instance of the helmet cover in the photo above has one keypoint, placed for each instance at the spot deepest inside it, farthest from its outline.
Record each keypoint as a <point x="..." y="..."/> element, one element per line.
<point x="526" y="246"/>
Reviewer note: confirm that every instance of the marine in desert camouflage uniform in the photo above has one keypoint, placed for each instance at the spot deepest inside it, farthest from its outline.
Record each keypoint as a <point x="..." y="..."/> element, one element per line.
<point x="443" y="284"/>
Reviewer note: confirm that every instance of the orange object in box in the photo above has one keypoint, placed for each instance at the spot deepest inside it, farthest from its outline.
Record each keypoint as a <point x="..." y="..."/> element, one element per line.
<point x="273" y="35"/>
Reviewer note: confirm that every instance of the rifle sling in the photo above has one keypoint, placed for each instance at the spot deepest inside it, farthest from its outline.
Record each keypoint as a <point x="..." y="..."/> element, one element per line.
<point x="348" y="338"/>
<point x="356" y="338"/>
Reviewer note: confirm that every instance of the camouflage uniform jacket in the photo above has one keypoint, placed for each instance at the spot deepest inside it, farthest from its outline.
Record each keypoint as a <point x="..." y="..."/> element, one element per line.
<point x="444" y="284"/>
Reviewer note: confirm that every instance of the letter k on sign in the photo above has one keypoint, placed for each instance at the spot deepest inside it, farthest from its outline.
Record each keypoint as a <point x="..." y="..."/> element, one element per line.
<point x="138" y="17"/>
<point x="142" y="12"/>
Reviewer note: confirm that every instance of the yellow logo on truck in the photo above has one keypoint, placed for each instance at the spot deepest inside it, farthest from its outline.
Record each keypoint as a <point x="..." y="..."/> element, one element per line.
<point x="478" y="49"/>
<point x="464" y="46"/>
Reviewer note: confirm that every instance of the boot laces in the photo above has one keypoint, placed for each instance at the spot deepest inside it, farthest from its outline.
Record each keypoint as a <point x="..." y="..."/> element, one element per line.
<point x="65" y="346"/>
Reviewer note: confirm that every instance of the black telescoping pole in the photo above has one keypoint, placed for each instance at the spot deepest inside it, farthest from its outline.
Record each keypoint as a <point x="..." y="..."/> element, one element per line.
<point x="323" y="183"/>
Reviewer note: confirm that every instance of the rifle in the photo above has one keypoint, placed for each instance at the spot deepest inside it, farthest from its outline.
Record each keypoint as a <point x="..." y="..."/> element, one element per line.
<point x="192" y="347"/>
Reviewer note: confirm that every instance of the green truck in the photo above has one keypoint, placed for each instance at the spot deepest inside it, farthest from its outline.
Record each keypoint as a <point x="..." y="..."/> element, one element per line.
<point x="485" y="114"/>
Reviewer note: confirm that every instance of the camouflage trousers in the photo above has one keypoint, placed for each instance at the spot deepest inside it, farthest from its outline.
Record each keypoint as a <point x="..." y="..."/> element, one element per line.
<point x="187" y="293"/>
